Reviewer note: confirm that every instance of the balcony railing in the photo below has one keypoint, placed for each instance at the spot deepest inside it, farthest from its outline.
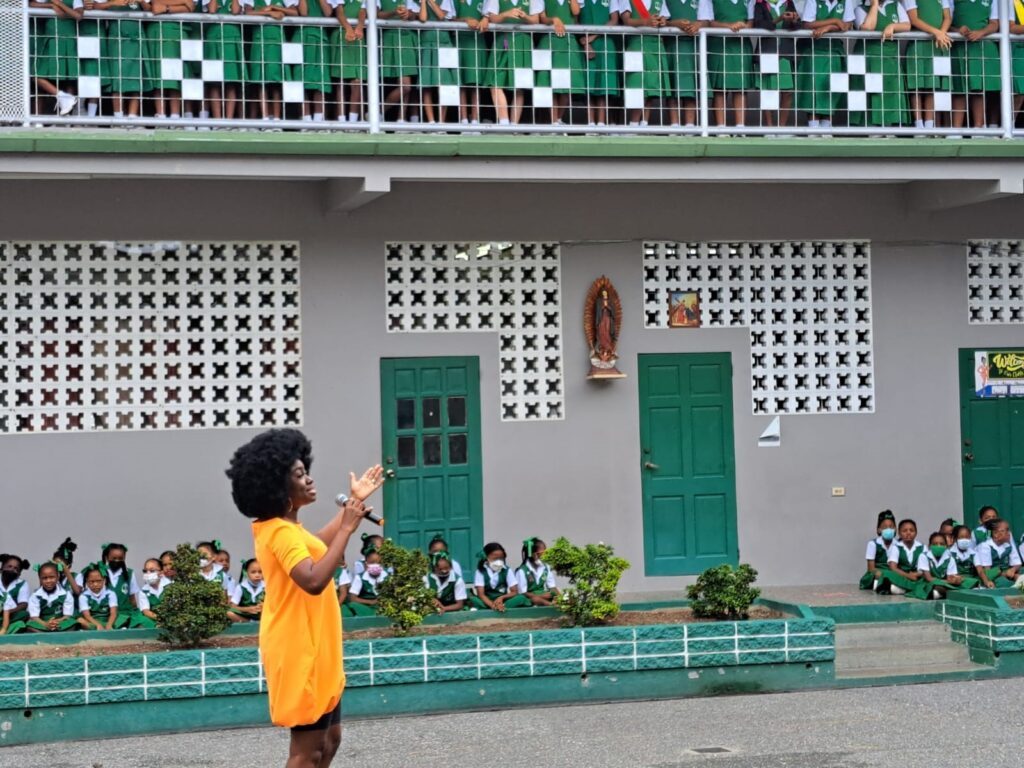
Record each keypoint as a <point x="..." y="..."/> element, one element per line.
<point x="205" y="70"/>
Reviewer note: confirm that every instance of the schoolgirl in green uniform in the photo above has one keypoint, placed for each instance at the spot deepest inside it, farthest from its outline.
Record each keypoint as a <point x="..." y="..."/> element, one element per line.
<point x="494" y="583"/>
<point x="681" y="56"/>
<point x="817" y="59"/>
<point x="6" y="606"/>
<point x="985" y="517"/>
<point x="399" y="57"/>
<point x="653" y="78"/>
<point x="730" y="59"/>
<point x="975" y="61"/>
<point x="778" y="14"/>
<point x="54" y="53"/>
<point x="603" y="58"/>
<point x="878" y="550"/>
<point x="511" y="51"/>
<point x="163" y="41"/>
<point x="150" y="595"/>
<point x="962" y="553"/>
<point x="883" y="57"/>
<point x="343" y="582"/>
<point x="565" y="54"/>
<point x="906" y="563"/>
<point x="438" y="544"/>
<point x="209" y="569"/>
<point x="121" y="581"/>
<point x="941" y="574"/>
<point x="123" y="53"/>
<point x="432" y="74"/>
<point x="11" y="568"/>
<point x="371" y="542"/>
<point x="97" y="605"/>
<point x="313" y="72"/>
<point x="449" y="589"/>
<point x="247" y="598"/>
<point x="472" y="58"/>
<point x="348" y="57"/>
<point x="935" y="18"/>
<point x="263" y="58"/>
<point x="996" y="559"/>
<point x="364" y="592"/>
<point x="51" y="608"/>
<point x="223" y="42"/>
<point x="534" y="579"/>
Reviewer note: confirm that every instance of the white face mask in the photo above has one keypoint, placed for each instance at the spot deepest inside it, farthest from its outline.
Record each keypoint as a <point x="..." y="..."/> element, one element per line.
<point x="963" y="544"/>
<point x="497" y="565"/>
<point x="373" y="570"/>
<point x="151" y="578"/>
<point x="203" y="562"/>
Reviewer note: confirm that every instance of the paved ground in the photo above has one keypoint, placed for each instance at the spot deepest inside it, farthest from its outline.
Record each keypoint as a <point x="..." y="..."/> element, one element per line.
<point x="812" y="594"/>
<point x="951" y="725"/>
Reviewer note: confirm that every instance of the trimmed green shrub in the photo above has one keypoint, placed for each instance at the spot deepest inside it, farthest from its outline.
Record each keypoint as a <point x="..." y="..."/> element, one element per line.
<point x="192" y="609"/>
<point x="593" y="572"/>
<point x="402" y="596"/>
<point x="724" y="592"/>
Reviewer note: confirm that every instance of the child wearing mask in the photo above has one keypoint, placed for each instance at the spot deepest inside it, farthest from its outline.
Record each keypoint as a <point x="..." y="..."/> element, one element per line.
<point x="11" y="583"/>
<point x="97" y="605"/>
<point x="150" y="594"/>
<point x="362" y="596"/>
<point x="906" y="563"/>
<point x="878" y="550"/>
<point x="120" y="579"/>
<point x="208" y="567"/>
<point x="962" y="553"/>
<point x="996" y="559"/>
<point x="449" y="588"/>
<point x="535" y="580"/>
<point x="494" y="583"/>
<point x="439" y="544"/>
<point x="51" y="608"/>
<point x="941" y="574"/>
<point x="247" y="598"/>
<point x="985" y="516"/>
<point x="370" y="540"/>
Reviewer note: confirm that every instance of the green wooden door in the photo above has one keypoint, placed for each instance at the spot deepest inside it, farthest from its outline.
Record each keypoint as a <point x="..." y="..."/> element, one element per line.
<point x="991" y="450"/>
<point x="430" y="422"/>
<point x="687" y="463"/>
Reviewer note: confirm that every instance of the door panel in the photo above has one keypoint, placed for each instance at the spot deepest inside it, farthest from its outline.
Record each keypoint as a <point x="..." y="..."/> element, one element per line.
<point x="430" y="424"/>
<point x="687" y="463"/>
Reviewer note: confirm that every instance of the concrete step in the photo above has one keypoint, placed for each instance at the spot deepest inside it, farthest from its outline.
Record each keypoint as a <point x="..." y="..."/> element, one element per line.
<point x="888" y="672"/>
<point x="890" y="634"/>
<point x="897" y="657"/>
<point x="897" y="649"/>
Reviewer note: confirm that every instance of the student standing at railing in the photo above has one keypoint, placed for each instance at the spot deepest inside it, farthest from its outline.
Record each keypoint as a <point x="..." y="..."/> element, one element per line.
<point x="511" y="51"/>
<point x="223" y="42"/>
<point x="935" y="18"/>
<point x="770" y="15"/>
<point x="681" y="55"/>
<point x="472" y="58"/>
<point x="122" y="51"/>
<point x="89" y="67"/>
<point x="313" y="70"/>
<point x="602" y="58"/>
<point x="565" y="54"/>
<point x="432" y="75"/>
<point x="163" y="41"/>
<point x="1017" y="52"/>
<point x="399" y="61"/>
<point x="263" y="66"/>
<point x="653" y="77"/>
<point x="975" y="60"/>
<point x="348" y="57"/>
<point x="817" y="59"/>
<point x="54" y="52"/>
<point x="730" y="60"/>
<point x="883" y="56"/>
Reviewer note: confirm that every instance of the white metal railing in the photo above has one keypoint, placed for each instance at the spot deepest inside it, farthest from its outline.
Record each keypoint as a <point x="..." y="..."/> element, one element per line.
<point x="203" y="70"/>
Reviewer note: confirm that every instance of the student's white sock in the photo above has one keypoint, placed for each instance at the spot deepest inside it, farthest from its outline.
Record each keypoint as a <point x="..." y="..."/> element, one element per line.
<point x="160" y="115"/>
<point x="463" y="121"/>
<point x="929" y="124"/>
<point x="936" y="595"/>
<point x="414" y="118"/>
<point x="307" y="118"/>
<point x="874" y="585"/>
<point x="474" y="122"/>
<point x="119" y="114"/>
<point x="643" y="123"/>
<point x="189" y="115"/>
<point x="919" y="123"/>
<point x="634" y="123"/>
<point x="318" y="117"/>
<point x="504" y="121"/>
<point x="688" y="125"/>
<point x="812" y="123"/>
<point x="204" y="114"/>
<point x="353" y="117"/>
<point x="92" y="108"/>
<point x="826" y="123"/>
<point x="600" y="124"/>
<point x="175" y="116"/>
<point x="740" y="125"/>
<point x="897" y="590"/>
<point x="993" y="126"/>
<point x="342" y="119"/>
<point x="674" y="124"/>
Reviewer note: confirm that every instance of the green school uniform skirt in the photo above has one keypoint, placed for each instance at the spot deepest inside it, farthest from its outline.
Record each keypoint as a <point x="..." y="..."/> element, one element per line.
<point x="920" y="66"/>
<point x="163" y="41"/>
<point x="565" y="54"/>
<point x="1017" y="54"/>
<point x="264" y="54"/>
<point x="519" y="601"/>
<point x="122" y="51"/>
<point x="358" y="609"/>
<point x="603" y="70"/>
<point x="511" y="51"/>
<point x="472" y="57"/>
<point x="730" y="64"/>
<point x="223" y="42"/>
<point x="399" y="56"/>
<point x="816" y="62"/>
<point x="919" y="589"/>
<point x="1001" y="582"/>
<point x="681" y="56"/>
<point x="890" y="106"/>
<point x="975" y="66"/>
<point x="432" y="74"/>
<point x="55" y="49"/>
<point x="313" y="71"/>
<point x="348" y="60"/>
<point x="654" y="77"/>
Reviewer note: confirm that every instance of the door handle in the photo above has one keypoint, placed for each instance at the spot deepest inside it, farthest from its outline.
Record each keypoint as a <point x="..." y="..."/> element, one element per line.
<point x="389" y="474"/>
<point x="650" y="465"/>
<point x="968" y="457"/>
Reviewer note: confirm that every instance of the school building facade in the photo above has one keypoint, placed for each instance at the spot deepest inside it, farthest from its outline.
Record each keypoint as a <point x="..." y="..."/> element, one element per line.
<point x="419" y="301"/>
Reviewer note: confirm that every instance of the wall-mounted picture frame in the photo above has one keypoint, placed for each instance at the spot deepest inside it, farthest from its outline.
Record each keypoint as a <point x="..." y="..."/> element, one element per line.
<point x="684" y="309"/>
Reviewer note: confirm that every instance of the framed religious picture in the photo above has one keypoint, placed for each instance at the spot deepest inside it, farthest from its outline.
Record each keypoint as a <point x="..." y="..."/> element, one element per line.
<point x="684" y="309"/>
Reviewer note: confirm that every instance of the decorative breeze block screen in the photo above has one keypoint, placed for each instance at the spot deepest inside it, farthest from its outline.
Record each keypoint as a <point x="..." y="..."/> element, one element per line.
<point x="98" y="337"/>
<point x="512" y="289"/>
<point x="807" y="305"/>
<point x="995" y="282"/>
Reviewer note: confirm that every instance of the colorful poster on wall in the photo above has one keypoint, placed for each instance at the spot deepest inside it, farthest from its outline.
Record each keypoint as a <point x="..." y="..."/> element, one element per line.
<point x="999" y="374"/>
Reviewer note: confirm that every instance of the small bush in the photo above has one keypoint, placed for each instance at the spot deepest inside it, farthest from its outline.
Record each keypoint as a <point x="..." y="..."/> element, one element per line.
<point x="193" y="609"/>
<point x="403" y="597"/>
<point x="724" y="592"/>
<point x="593" y="572"/>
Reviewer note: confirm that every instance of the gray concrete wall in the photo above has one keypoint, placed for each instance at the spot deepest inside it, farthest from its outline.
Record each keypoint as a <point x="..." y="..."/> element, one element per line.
<point x="579" y="477"/>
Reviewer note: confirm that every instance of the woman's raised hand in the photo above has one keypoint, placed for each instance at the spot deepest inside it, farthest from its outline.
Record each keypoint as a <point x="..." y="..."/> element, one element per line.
<point x="361" y="488"/>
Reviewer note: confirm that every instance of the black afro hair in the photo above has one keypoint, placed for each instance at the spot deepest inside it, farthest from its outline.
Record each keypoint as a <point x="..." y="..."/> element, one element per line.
<point x="259" y="471"/>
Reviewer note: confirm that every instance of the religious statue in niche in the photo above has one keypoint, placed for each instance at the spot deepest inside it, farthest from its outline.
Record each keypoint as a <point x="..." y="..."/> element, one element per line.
<point x="602" y="321"/>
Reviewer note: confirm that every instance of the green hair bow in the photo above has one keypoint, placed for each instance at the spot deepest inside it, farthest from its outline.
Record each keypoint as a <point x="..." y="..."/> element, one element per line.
<point x="439" y="555"/>
<point x="528" y="546"/>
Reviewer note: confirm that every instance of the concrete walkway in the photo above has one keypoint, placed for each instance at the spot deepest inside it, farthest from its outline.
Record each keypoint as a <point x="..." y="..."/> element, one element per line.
<point x="953" y="725"/>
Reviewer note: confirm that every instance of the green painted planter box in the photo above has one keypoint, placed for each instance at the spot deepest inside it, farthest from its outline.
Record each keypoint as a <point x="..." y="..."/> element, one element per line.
<point x="984" y="622"/>
<point x="567" y="665"/>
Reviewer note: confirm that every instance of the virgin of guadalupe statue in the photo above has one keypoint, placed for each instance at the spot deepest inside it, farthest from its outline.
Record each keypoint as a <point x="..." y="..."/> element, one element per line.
<point x="602" y="321"/>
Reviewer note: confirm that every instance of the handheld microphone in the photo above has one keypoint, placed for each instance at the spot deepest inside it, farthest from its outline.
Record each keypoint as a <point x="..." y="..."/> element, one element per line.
<point x="340" y="500"/>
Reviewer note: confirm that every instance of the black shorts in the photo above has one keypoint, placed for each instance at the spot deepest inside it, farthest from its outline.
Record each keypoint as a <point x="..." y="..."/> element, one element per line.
<point x="327" y="719"/>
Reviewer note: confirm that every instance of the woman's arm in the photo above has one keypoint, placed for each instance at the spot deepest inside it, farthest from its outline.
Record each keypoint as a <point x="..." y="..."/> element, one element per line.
<point x="314" y="576"/>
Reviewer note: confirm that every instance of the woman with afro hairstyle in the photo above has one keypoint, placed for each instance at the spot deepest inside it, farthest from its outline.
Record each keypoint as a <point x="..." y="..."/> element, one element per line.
<point x="300" y="630"/>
